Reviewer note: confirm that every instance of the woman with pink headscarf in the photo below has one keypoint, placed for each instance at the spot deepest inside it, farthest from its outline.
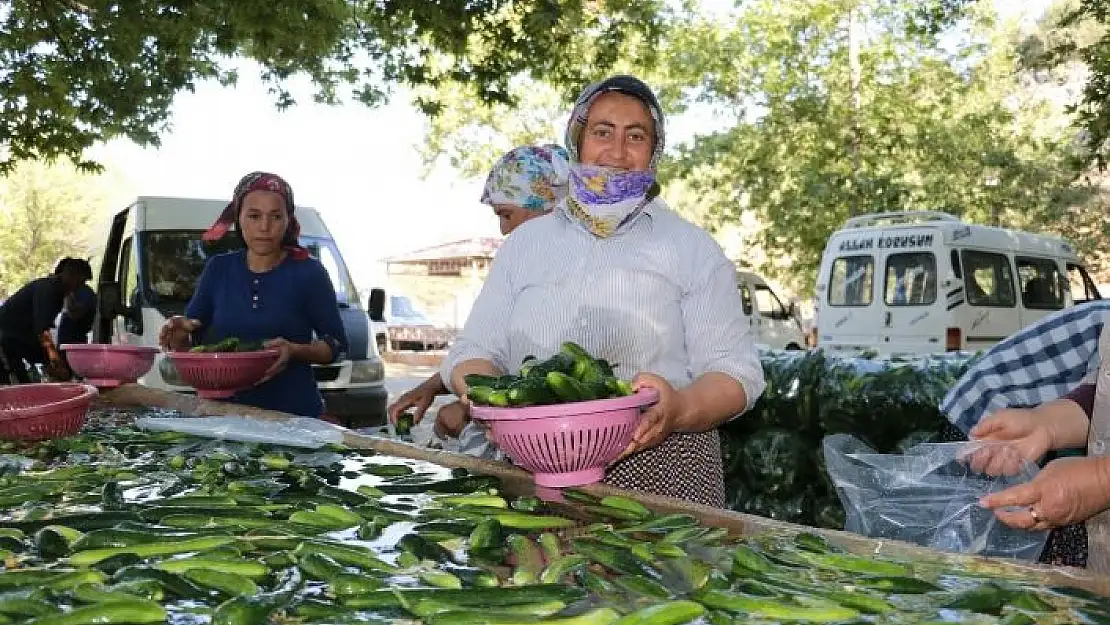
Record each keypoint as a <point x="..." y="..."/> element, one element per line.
<point x="272" y="291"/>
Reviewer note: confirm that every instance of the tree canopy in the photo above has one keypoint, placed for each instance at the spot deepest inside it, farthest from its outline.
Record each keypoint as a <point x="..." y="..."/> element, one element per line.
<point x="950" y="121"/>
<point x="46" y="212"/>
<point x="77" y="72"/>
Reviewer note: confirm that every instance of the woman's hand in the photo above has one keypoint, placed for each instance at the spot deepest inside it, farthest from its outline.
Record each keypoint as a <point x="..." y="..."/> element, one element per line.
<point x="286" y="351"/>
<point x="451" y="419"/>
<point x="175" y="334"/>
<point x="1066" y="491"/>
<point x="420" y="397"/>
<point x="1012" y="437"/>
<point x="658" y="421"/>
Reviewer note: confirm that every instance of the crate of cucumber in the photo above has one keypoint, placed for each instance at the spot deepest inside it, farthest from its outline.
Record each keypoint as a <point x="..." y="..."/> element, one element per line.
<point x="564" y="419"/>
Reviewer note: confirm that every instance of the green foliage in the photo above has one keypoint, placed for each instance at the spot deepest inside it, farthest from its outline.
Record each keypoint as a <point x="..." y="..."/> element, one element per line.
<point x="948" y="121"/>
<point x="46" y="213"/>
<point x="77" y="72"/>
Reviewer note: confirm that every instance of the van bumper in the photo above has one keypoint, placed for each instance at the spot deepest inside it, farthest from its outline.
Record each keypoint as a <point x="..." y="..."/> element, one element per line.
<point x="356" y="407"/>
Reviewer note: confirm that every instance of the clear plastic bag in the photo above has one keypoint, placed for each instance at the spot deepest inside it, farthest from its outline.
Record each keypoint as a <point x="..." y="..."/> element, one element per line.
<point x="295" y="432"/>
<point x="928" y="496"/>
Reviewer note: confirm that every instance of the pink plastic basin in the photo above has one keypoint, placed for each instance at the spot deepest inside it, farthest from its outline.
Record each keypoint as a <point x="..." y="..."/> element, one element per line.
<point x="566" y="444"/>
<point x="108" y="366"/>
<point x="221" y="375"/>
<point x="41" y="411"/>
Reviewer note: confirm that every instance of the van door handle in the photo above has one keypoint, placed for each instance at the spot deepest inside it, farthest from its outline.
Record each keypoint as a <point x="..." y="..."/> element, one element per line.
<point x="889" y="318"/>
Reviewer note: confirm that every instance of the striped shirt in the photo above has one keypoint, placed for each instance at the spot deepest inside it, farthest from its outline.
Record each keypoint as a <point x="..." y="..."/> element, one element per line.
<point x="659" y="296"/>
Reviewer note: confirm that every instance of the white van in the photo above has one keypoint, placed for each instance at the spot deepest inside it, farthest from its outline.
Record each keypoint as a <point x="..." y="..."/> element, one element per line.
<point x="146" y="263"/>
<point x="926" y="282"/>
<point x="775" y="324"/>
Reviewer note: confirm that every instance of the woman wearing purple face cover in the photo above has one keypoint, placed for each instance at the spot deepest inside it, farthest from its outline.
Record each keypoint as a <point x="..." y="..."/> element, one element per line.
<point x="613" y="269"/>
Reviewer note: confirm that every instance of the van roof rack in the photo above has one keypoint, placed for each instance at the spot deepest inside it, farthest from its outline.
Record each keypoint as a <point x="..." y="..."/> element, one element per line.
<point x="898" y="217"/>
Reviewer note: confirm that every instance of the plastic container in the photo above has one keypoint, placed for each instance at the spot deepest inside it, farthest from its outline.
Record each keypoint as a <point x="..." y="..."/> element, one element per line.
<point x="41" y="411"/>
<point x="222" y="374"/>
<point x="566" y="444"/>
<point x="108" y="366"/>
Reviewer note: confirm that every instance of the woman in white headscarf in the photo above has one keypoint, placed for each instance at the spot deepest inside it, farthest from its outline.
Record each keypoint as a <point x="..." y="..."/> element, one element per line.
<point x="616" y="271"/>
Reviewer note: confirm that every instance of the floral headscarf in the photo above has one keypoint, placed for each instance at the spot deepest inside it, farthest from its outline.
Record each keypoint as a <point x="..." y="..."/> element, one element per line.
<point x="260" y="181"/>
<point x="628" y="85"/>
<point x="532" y="177"/>
<point x="602" y="198"/>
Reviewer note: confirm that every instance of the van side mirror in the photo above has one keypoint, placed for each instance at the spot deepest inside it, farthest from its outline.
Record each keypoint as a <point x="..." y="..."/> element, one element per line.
<point x="376" y="305"/>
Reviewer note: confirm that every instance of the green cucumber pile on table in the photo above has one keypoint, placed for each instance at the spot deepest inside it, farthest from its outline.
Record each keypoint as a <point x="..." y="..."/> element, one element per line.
<point x="773" y="454"/>
<point x="571" y="375"/>
<point x="127" y="527"/>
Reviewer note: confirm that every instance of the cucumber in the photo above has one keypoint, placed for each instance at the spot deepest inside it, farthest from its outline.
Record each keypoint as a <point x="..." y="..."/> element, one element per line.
<point x="669" y="613"/>
<point x="763" y="608"/>
<point x="55" y="541"/>
<point x="229" y="584"/>
<point x="470" y="597"/>
<point x="439" y="579"/>
<point x="134" y="612"/>
<point x="531" y="392"/>
<point x="25" y="607"/>
<point x="493" y="382"/>
<point x="350" y="555"/>
<point x="351" y="585"/>
<point x="92" y="556"/>
<point x="240" y="567"/>
<point x="319" y="566"/>
<point x="630" y="505"/>
<point x="529" y="560"/>
<point x="568" y="389"/>
<point x="479" y="395"/>
<point x="171" y="582"/>
<point x="486" y="536"/>
<point x="425" y="549"/>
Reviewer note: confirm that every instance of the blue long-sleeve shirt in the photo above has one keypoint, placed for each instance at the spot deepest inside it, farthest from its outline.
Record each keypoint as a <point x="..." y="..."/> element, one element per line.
<point x="295" y="301"/>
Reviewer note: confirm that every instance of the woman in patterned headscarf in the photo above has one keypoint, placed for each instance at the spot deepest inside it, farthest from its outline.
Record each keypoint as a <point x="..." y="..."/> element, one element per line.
<point x="272" y="291"/>
<point x="525" y="183"/>
<point x="616" y="271"/>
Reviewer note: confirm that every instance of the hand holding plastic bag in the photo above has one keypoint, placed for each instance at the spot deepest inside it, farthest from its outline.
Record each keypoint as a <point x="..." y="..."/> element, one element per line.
<point x="930" y="495"/>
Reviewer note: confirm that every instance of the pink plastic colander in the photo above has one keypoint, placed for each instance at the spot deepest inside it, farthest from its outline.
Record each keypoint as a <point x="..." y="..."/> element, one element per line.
<point x="222" y="374"/>
<point x="41" y="411"/>
<point x="566" y="444"/>
<point x="108" y="366"/>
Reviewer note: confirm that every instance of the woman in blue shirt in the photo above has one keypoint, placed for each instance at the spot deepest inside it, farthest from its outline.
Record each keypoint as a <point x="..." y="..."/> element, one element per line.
<point x="272" y="291"/>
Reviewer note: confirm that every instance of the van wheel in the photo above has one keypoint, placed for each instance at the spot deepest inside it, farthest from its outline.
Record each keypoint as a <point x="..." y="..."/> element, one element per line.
<point x="793" y="347"/>
<point x="383" y="344"/>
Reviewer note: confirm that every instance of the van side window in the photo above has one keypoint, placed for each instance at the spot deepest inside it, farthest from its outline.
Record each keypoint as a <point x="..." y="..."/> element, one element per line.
<point x="128" y="273"/>
<point x="746" y="299"/>
<point x="1042" y="286"/>
<point x="769" y="304"/>
<point x="988" y="279"/>
<point x="851" y="281"/>
<point x="1083" y="289"/>
<point x="911" y="279"/>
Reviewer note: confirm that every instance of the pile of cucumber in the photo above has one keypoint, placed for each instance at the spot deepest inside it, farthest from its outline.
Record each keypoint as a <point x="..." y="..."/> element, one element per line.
<point x="230" y="344"/>
<point x="122" y="527"/>
<point x="571" y="375"/>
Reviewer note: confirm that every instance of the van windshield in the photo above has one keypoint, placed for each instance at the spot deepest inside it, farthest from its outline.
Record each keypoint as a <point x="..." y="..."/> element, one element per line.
<point x="173" y="261"/>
